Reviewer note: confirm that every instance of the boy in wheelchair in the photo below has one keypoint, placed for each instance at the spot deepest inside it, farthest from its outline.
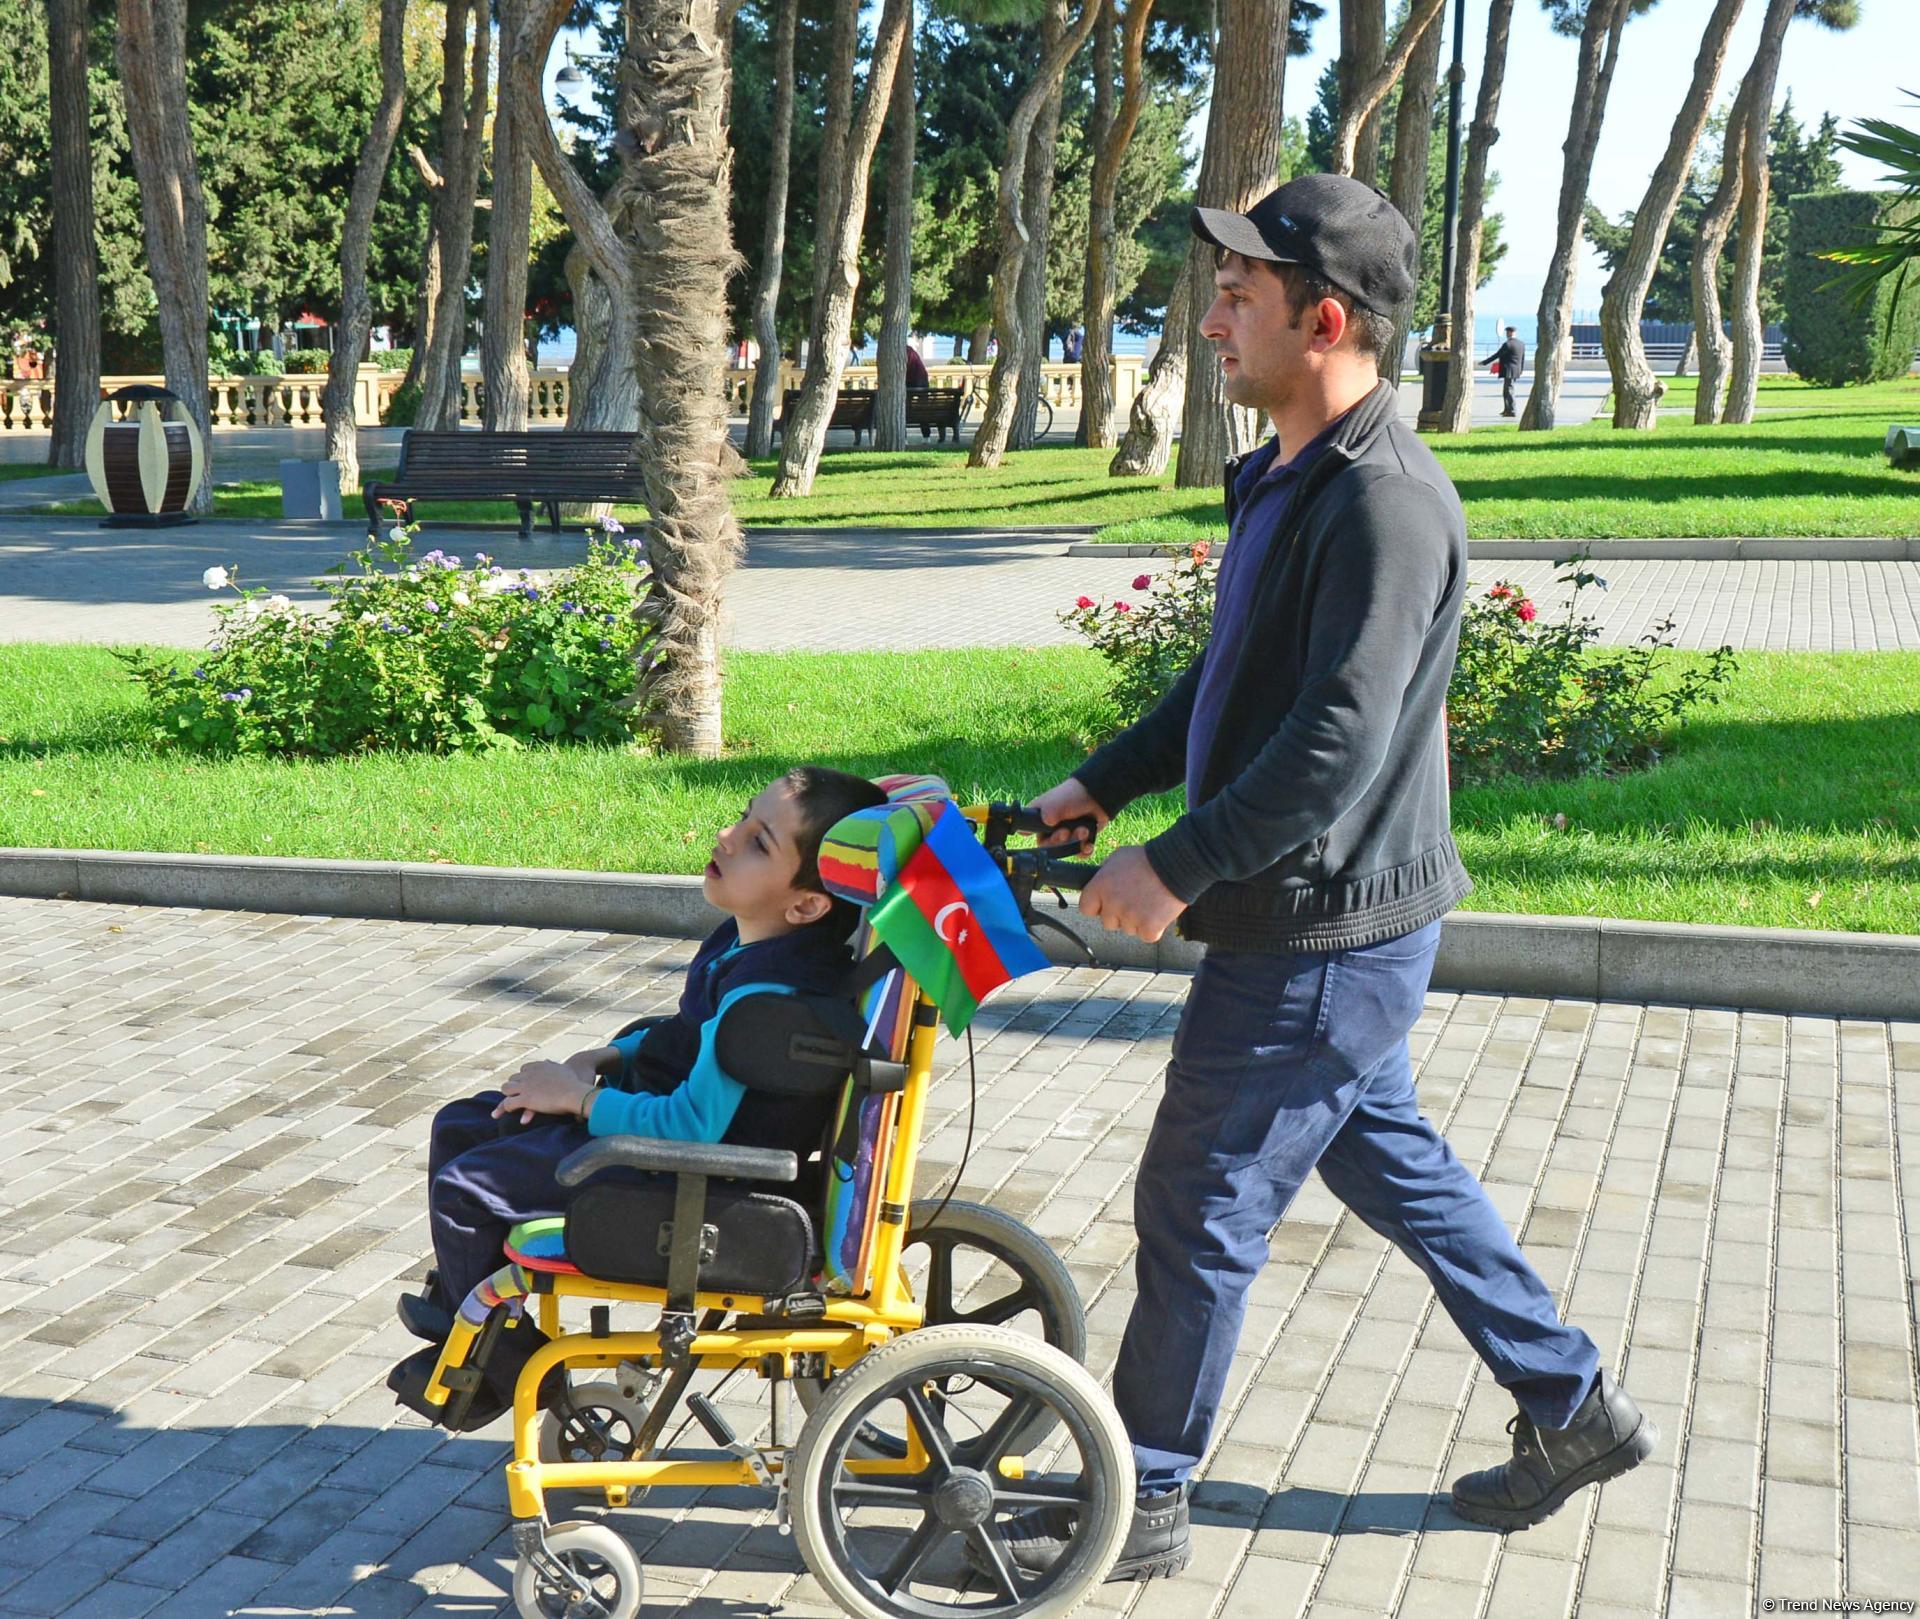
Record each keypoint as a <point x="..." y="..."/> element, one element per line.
<point x="493" y="1156"/>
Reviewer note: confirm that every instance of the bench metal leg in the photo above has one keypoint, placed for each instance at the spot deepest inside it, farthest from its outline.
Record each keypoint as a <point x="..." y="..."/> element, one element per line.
<point x="526" y="518"/>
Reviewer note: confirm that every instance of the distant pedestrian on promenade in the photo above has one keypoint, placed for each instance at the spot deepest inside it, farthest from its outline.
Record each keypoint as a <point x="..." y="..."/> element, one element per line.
<point x="1509" y="359"/>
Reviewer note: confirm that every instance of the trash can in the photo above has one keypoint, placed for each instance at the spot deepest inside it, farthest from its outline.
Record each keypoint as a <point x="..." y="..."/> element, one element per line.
<point x="310" y="489"/>
<point x="146" y="468"/>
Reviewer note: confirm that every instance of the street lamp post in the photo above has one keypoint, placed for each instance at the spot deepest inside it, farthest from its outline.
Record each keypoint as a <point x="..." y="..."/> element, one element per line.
<point x="1436" y="357"/>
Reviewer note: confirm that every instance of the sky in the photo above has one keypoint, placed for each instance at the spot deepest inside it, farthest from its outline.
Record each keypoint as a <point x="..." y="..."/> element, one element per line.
<point x="1859" y="74"/>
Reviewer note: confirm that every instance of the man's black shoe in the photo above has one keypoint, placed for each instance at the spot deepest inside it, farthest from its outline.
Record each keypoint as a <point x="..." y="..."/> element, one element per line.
<point x="1607" y="1436"/>
<point x="425" y="1317"/>
<point x="1158" y="1543"/>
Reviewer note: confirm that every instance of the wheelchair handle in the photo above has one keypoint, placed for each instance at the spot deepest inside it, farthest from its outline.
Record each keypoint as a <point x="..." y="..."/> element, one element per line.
<point x="1043" y="870"/>
<point x="1009" y="820"/>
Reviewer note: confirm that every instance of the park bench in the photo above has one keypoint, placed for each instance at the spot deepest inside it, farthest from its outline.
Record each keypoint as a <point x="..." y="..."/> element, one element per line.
<point x="852" y="409"/>
<point x="936" y="407"/>
<point x="543" y="469"/>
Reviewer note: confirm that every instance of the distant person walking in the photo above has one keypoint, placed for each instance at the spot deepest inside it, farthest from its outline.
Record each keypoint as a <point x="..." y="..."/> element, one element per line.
<point x="1509" y="360"/>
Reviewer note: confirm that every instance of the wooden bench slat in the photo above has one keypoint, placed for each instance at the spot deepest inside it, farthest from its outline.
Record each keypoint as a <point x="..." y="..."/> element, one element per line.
<point x="535" y="468"/>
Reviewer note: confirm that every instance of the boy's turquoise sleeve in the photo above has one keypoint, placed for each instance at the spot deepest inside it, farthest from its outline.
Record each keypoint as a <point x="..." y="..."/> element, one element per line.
<point x="699" y="1109"/>
<point x="628" y="1045"/>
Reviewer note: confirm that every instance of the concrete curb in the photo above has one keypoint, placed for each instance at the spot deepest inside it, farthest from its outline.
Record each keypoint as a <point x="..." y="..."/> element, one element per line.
<point x="1591" y="958"/>
<point x="1673" y="550"/>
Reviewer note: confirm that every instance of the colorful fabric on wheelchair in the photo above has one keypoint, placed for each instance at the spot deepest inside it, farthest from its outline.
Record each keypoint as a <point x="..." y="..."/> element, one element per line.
<point x="860" y="855"/>
<point x="509" y="1285"/>
<point x="856" y="1171"/>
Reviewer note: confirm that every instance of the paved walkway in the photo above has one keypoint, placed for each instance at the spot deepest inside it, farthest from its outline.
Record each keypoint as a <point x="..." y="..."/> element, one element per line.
<point x="72" y="580"/>
<point x="213" y="1145"/>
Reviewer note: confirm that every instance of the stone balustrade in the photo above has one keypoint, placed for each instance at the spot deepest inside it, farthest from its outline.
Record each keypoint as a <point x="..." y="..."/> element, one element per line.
<point x="1059" y="380"/>
<point x="294" y="400"/>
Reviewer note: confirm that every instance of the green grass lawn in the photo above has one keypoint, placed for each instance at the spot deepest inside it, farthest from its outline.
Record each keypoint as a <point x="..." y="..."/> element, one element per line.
<point x="1811" y="464"/>
<point x="13" y="471"/>
<point x="1792" y="803"/>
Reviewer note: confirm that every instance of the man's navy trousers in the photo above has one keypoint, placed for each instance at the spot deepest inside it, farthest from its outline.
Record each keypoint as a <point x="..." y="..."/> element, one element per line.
<point x="1283" y="1064"/>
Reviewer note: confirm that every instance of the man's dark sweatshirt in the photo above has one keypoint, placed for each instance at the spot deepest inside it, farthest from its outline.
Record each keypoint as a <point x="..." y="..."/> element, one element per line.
<point x="1318" y="820"/>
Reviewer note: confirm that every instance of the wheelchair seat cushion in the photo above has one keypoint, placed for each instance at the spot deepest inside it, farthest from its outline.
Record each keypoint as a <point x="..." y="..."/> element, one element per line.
<point x="619" y="1231"/>
<point x="541" y="1244"/>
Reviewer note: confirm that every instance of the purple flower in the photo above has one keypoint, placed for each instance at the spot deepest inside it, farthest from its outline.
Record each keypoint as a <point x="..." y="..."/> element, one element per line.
<point x="431" y="605"/>
<point x="199" y="674"/>
<point x="605" y="645"/>
<point x="482" y="560"/>
<point x="530" y="593"/>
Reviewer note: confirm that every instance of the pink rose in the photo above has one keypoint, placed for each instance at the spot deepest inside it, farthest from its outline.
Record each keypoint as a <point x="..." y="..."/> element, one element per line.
<point x="1201" y="548"/>
<point x="1143" y="581"/>
<point x="1525" y="611"/>
<point x="1500" y="593"/>
<point x="1123" y="607"/>
<point x="1084" y="601"/>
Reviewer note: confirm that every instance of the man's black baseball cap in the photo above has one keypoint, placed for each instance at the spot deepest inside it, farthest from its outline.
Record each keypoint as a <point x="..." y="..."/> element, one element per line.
<point x="1343" y="231"/>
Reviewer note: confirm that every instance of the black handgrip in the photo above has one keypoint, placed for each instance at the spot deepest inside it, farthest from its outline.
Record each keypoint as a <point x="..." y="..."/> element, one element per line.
<point x="1025" y="818"/>
<point x="1050" y="871"/>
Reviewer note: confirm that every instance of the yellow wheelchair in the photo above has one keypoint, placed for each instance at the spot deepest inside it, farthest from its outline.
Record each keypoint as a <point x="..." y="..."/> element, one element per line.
<point x="933" y="1347"/>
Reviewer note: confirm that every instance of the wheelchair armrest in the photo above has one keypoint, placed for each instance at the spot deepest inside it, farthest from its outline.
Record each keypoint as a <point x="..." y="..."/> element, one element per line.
<point x="711" y="1158"/>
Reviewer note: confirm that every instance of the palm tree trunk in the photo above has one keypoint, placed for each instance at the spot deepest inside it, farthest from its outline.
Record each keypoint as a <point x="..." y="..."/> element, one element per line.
<point x="76" y="306"/>
<point x="766" y="296"/>
<point x="679" y="249"/>
<point x="151" y="50"/>
<point x="1003" y="385"/>
<point x="440" y="381"/>
<point x="1743" y="382"/>
<point x="503" y="349"/>
<point x="1625" y="294"/>
<point x="806" y="430"/>
<point x="1592" y="80"/>
<point x="896" y="309"/>
<point x="1457" y="412"/>
<point x="1241" y="159"/>
<point x="1038" y="202"/>
<point x="1407" y="181"/>
<point x="1148" y="444"/>
<point x="1113" y="136"/>
<point x="356" y="236"/>
<point x="1709" y="339"/>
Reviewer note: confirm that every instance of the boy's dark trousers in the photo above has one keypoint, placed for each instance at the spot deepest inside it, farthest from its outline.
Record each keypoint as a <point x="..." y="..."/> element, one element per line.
<point x="484" y="1176"/>
<point x="1283" y="1064"/>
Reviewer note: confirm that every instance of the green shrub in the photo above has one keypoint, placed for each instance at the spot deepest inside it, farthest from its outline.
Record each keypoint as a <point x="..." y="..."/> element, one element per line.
<point x="1528" y="698"/>
<point x="1831" y="338"/>
<point x="430" y="656"/>
<point x="393" y="359"/>
<point x="402" y="407"/>
<point x="1537" y="699"/>
<point x="305" y="362"/>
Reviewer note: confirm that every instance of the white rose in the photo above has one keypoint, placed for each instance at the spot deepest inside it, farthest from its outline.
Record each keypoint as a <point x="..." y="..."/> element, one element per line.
<point x="461" y="599"/>
<point x="366" y="618"/>
<point x="280" y="604"/>
<point x="493" y="584"/>
<point x="397" y="535"/>
<point x="253" y="609"/>
<point x="216" y="578"/>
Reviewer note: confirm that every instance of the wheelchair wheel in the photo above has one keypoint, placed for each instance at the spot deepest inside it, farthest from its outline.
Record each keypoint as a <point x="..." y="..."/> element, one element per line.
<point x="974" y="1266"/>
<point x="894" y="1546"/>
<point x="594" y="1555"/>
<point x="602" y="1426"/>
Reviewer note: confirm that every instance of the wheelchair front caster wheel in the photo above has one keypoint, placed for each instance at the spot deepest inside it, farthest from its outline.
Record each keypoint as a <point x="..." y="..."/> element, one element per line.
<point x="602" y="1426"/>
<point x="591" y="1573"/>
<point x="894" y="1545"/>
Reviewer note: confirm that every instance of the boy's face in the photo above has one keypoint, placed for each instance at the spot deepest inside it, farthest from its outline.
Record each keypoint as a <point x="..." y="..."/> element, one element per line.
<point x="754" y="866"/>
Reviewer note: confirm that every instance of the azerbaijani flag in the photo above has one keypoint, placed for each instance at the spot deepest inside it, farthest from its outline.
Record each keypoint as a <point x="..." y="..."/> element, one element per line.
<point x="951" y="920"/>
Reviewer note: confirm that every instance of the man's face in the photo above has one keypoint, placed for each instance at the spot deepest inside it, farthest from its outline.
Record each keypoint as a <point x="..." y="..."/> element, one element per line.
<point x="1263" y="351"/>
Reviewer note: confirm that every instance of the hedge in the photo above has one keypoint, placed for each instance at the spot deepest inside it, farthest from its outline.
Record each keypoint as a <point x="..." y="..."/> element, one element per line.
<point x="1831" y="339"/>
